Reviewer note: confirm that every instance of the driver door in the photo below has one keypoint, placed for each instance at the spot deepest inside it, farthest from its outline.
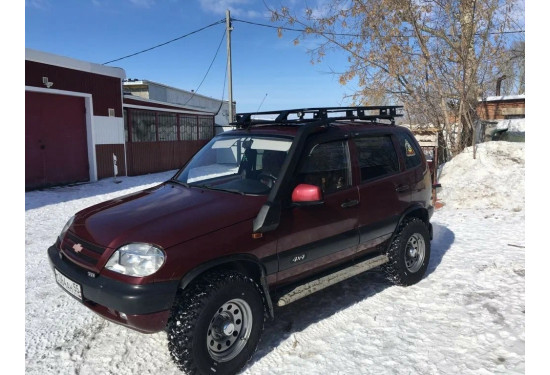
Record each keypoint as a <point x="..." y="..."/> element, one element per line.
<point x="315" y="237"/>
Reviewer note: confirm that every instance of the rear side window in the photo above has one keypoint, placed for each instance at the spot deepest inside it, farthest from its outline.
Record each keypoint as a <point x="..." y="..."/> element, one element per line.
<point x="377" y="157"/>
<point x="327" y="166"/>
<point x="410" y="150"/>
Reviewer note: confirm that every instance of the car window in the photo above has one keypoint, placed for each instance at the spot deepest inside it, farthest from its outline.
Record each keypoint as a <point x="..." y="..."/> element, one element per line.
<point x="328" y="166"/>
<point x="377" y="157"/>
<point x="410" y="151"/>
<point x="243" y="164"/>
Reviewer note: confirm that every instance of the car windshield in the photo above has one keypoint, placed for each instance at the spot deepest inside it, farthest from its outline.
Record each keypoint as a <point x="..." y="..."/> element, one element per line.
<point x="238" y="164"/>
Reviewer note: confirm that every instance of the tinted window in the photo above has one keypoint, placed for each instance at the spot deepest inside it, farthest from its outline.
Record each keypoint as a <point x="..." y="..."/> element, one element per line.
<point x="327" y="166"/>
<point x="410" y="151"/>
<point x="377" y="157"/>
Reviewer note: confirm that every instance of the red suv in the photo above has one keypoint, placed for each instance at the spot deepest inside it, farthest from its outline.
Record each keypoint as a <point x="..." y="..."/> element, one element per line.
<point x="285" y="205"/>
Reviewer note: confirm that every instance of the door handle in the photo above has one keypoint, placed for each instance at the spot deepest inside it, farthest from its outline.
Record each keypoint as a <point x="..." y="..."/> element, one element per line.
<point x="402" y="188"/>
<point x="350" y="203"/>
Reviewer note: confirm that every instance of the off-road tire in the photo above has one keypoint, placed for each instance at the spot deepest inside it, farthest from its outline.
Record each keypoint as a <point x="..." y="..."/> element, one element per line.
<point x="411" y="231"/>
<point x="194" y="312"/>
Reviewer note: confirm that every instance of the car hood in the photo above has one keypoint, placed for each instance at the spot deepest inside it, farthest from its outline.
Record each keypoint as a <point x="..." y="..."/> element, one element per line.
<point x="165" y="215"/>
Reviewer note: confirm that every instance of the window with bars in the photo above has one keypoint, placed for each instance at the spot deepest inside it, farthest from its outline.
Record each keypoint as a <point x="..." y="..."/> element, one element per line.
<point x="168" y="126"/>
<point x="152" y="126"/>
<point x="206" y="128"/>
<point x="188" y="128"/>
<point x="144" y="128"/>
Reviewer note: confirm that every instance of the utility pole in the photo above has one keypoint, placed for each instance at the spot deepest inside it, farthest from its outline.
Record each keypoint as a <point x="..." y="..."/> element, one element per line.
<point x="229" y="28"/>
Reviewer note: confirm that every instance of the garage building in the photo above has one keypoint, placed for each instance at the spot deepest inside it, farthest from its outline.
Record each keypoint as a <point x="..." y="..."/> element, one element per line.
<point x="77" y="121"/>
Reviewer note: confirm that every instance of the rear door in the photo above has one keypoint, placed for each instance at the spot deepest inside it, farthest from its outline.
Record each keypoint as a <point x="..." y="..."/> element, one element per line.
<point x="415" y="167"/>
<point x="315" y="237"/>
<point x="384" y="189"/>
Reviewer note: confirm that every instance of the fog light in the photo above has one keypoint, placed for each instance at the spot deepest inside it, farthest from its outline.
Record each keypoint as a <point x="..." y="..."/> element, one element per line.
<point x="123" y="316"/>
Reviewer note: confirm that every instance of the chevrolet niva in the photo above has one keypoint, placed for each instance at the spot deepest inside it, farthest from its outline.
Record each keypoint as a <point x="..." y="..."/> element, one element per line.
<point x="285" y="205"/>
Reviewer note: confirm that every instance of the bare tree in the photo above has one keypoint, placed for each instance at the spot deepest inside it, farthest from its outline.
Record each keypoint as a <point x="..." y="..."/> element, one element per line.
<point x="512" y="68"/>
<point x="434" y="56"/>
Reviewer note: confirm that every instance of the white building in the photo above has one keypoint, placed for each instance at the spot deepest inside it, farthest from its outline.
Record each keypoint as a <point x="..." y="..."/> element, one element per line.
<point x="163" y="93"/>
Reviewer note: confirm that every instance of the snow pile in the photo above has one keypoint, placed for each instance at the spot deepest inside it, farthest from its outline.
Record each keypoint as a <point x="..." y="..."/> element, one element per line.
<point x="516" y="125"/>
<point x="494" y="179"/>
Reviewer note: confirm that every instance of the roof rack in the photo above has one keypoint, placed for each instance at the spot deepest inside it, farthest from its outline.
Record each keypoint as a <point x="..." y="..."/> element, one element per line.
<point x="303" y="115"/>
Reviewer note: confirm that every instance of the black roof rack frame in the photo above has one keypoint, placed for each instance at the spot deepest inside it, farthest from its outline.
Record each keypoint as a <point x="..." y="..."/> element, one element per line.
<point x="368" y="113"/>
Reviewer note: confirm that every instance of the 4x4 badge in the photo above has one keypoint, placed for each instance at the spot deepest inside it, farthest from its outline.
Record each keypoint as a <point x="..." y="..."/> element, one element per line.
<point x="77" y="248"/>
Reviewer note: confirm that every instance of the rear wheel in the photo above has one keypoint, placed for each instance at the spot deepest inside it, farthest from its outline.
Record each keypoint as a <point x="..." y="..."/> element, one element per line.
<point x="409" y="253"/>
<point x="216" y="324"/>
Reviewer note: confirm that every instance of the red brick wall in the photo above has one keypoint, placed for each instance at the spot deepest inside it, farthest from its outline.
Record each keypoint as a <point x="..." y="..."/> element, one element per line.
<point x="498" y="110"/>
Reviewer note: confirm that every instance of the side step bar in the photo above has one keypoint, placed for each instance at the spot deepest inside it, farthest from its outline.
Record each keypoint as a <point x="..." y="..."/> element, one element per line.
<point x="316" y="285"/>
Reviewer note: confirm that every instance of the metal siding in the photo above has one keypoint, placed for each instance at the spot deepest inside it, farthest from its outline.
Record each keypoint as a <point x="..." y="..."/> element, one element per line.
<point x="104" y="156"/>
<point x="151" y="157"/>
<point x="145" y="155"/>
<point x="106" y="91"/>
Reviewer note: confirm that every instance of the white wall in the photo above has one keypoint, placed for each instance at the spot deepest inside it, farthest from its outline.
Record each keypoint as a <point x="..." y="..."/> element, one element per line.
<point x="108" y="130"/>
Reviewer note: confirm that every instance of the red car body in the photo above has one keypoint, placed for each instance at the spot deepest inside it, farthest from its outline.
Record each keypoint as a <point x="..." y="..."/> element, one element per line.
<point x="200" y="229"/>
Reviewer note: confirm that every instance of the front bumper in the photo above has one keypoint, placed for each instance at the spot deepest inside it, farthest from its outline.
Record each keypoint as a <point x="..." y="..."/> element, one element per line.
<point x="145" y="308"/>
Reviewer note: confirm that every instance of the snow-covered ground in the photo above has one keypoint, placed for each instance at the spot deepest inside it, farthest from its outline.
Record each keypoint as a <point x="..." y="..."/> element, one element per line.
<point x="467" y="316"/>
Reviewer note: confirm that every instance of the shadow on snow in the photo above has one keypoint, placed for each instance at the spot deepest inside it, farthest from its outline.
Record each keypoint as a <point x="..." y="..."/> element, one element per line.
<point x="321" y="305"/>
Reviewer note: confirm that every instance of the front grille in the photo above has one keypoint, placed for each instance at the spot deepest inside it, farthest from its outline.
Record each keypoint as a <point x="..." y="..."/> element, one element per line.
<point x="88" y="257"/>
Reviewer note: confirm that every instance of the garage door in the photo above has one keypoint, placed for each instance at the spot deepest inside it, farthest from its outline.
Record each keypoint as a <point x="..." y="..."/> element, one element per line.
<point x="56" y="151"/>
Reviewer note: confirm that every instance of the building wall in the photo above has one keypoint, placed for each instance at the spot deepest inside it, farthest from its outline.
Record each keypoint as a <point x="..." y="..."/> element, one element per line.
<point x="105" y="165"/>
<point x="499" y="110"/>
<point x="160" y="138"/>
<point x="106" y="91"/>
<point x="154" y="91"/>
<point x="101" y="89"/>
<point x="108" y="130"/>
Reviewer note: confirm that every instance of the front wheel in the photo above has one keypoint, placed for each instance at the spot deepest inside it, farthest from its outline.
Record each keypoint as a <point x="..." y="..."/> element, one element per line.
<point x="216" y="324"/>
<point x="409" y="253"/>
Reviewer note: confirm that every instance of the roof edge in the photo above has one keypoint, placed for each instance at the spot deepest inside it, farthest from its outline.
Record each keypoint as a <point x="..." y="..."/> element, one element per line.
<point x="70" y="63"/>
<point x="503" y="98"/>
<point x="165" y="104"/>
<point x="148" y="82"/>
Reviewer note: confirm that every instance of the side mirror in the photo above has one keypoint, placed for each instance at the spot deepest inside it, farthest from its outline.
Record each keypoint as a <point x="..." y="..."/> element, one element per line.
<point x="307" y="195"/>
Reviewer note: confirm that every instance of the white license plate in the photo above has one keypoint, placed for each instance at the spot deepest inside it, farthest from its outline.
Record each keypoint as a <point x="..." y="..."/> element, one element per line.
<point x="70" y="286"/>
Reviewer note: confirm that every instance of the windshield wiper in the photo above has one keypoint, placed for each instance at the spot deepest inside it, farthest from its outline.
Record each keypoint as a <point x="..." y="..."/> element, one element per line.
<point x="179" y="182"/>
<point x="204" y="186"/>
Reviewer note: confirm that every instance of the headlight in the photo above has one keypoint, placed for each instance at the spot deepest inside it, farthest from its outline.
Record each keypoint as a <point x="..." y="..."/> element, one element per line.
<point x="66" y="228"/>
<point x="136" y="259"/>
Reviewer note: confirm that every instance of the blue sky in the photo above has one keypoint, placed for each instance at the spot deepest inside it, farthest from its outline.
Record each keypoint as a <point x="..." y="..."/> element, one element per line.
<point x="100" y="30"/>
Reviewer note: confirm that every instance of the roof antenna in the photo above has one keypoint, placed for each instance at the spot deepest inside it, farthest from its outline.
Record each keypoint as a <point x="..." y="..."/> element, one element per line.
<point x="258" y="110"/>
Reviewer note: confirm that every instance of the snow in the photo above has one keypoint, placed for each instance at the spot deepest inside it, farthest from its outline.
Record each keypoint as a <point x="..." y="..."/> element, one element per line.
<point x="511" y="125"/>
<point x="505" y="97"/>
<point x="494" y="179"/>
<point x="466" y="316"/>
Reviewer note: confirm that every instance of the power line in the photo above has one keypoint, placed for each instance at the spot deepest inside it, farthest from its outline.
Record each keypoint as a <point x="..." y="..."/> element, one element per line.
<point x="258" y="110"/>
<point x="312" y="31"/>
<point x="208" y="70"/>
<point x="168" y="42"/>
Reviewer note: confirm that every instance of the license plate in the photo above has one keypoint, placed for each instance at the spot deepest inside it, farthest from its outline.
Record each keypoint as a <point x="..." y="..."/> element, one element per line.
<point x="70" y="286"/>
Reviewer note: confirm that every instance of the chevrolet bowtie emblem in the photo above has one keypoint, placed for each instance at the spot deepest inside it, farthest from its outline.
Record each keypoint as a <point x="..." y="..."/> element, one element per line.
<point x="77" y="248"/>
